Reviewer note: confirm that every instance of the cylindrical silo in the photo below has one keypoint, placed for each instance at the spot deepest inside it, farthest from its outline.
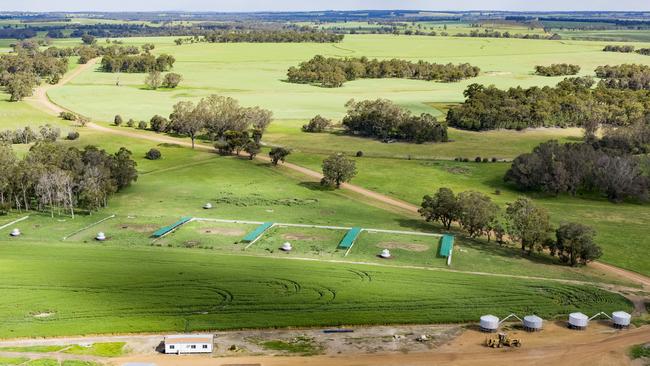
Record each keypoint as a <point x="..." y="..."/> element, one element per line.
<point x="578" y="321"/>
<point x="489" y="323"/>
<point x="621" y="319"/>
<point x="533" y="323"/>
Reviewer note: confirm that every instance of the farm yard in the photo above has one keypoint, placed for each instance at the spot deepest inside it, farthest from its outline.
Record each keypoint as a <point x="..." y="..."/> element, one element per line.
<point x="58" y="280"/>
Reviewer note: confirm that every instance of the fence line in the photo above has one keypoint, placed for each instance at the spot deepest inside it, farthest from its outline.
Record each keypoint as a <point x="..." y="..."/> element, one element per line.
<point x="14" y="222"/>
<point x="88" y="227"/>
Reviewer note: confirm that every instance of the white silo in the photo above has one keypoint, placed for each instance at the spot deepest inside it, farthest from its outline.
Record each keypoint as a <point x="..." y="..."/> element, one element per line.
<point x="489" y="323"/>
<point x="15" y="232"/>
<point x="621" y="319"/>
<point x="385" y="253"/>
<point x="533" y="323"/>
<point x="578" y="321"/>
<point x="207" y="206"/>
<point x="100" y="236"/>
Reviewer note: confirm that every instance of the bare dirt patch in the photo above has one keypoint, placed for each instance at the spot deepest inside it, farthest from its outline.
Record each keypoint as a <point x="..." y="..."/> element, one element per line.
<point x="227" y="231"/>
<point x="298" y="236"/>
<point x="411" y="247"/>
<point x="140" y="228"/>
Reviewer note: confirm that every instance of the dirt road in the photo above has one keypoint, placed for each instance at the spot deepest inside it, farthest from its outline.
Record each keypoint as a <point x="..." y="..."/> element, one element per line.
<point x="41" y="100"/>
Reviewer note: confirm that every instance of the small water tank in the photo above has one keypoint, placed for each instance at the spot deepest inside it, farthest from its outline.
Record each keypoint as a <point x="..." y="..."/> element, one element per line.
<point x="286" y="247"/>
<point x="621" y="319"/>
<point x="15" y="232"/>
<point x="100" y="236"/>
<point x="207" y="206"/>
<point x="533" y="323"/>
<point x="489" y="323"/>
<point x="578" y="321"/>
<point x="385" y="253"/>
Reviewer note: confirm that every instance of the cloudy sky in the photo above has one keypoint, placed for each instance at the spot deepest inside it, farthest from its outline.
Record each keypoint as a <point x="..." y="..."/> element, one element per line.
<point x="300" y="5"/>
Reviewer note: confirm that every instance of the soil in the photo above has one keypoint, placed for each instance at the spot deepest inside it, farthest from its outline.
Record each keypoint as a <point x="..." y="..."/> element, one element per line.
<point x="411" y="247"/>
<point x="298" y="236"/>
<point x="227" y="231"/>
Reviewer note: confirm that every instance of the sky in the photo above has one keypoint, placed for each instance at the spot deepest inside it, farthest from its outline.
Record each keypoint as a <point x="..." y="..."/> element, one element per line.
<point x="303" y="5"/>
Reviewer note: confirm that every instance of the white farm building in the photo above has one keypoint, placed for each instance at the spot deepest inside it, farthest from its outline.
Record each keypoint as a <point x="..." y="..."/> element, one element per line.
<point x="189" y="343"/>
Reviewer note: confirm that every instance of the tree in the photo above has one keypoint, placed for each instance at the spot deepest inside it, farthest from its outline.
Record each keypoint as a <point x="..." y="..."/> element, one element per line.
<point x="153" y="80"/>
<point x="118" y="120"/>
<point x="476" y="213"/>
<point x="159" y="123"/>
<point x="236" y="140"/>
<point x="443" y="206"/>
<point x="338" y="169"/>
<point x="252" y="148"/>
<point x="87" y="39"/>
<point x="317" y="124"/>
<point x="278" y="154"/>
<point x="172" y="80"/>
<point x="7" y="165"/>
<point x="124" y="170"/>
<point x="528" y="224"/>
<point x="184" y="120"/>
<point x="20" y="85"/>
<point x="575" y="244"/>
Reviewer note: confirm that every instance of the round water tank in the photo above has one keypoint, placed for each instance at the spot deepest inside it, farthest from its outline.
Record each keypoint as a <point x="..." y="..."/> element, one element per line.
<point x="15" y="232"/>
<point x="621" y="319"/>
<point x="489" y="323"/>
<point x="101" y="236"/>
<point x="207" y="206"/>
<point x="533" y="323"/>
<point x="385" y="253"/>
<point x="578" y="320"/>
<point x="286" y="247"/>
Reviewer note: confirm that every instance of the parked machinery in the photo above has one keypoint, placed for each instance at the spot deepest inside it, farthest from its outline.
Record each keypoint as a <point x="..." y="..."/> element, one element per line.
<point x="502" y="340"/>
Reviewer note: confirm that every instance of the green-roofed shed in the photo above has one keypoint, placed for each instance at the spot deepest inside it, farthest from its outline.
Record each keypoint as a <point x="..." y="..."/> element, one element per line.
<point x="349" y="238"/>
<point x="253" y="235"/>
<point x="446" y="245"/>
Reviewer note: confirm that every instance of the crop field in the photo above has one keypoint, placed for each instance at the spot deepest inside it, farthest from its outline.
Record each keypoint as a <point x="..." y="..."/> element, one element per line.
<point x="255" y="74"/>
<point x="164" y="289"/>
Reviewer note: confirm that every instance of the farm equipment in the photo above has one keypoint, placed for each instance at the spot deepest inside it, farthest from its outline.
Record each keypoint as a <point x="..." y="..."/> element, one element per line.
<point x="502" y="340"/>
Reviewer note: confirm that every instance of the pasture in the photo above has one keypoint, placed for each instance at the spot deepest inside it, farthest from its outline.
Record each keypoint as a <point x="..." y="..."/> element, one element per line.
<point x="111" y="290"/>
<point x="255" y="74"/>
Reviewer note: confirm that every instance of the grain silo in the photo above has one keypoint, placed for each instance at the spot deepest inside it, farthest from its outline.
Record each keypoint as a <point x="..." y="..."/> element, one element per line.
<point x="15" y="232"/>
<point x="286" y="247"/>
<point x="100" y="236"/>
<point x="533" y="323"/>
<point x="621" y="319"/>
<point x="578" y="321"/>
<point x="489" y="323"/>
<point x="385" y="253"/>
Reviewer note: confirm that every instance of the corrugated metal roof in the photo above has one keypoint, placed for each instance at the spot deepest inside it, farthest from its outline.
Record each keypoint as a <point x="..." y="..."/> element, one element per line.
<point x="257" y="232"/>
<point x="446" y="245"/>
<point x="349" y="238"/>
<point x="164" y="230"/>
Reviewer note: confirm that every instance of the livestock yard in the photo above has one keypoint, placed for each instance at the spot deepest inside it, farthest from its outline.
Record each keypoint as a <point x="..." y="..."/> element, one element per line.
<point x="283" y="265"/>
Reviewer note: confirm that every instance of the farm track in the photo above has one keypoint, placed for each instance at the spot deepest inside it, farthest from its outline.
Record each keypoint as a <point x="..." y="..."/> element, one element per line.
<point x="42" y="101"/>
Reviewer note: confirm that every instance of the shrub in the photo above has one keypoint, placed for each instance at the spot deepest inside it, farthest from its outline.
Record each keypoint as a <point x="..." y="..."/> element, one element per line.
<point x="478" y="159"/>
<point x="359" y="154"/>
<point x="485" y="160"/>
<point x="494" y="159"/>
<point x="73" y="135"/>
<point x="130" y="122"/>
<point x="68" y="116"/>
<point x="159" y="123"/>
<point x="172" y="80"/>
<point x="317" y="124"/>
<point x="118" y="120"/>
<point x="143" y="125"/>
<point x="153" y="154"/>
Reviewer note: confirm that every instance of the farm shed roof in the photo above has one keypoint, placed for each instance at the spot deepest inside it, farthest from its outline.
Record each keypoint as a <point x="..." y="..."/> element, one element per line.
<point x="257" y="232"/>
<point x="186" y="338"/>
<point x="164" y="230"/>
<point x="446" y="245"/>
<point x="350" y="237"/>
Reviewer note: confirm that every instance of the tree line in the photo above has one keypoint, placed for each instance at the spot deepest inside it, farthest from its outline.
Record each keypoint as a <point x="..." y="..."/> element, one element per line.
<point x="55" y="177"/>
<point x="580" y="167"/>
<point x="272" y="36"/>
<point x="383" y="119"/>
<point x="572" y="102"/>
<point x="333" y="72"/>
<point x="522" y="222"/>
<point x="144" y="62"/>
<point x="625" y="76"/>
<point x="557" y="70"/>
<point x="23" y="70"/>
<point x="27" y="135"/>
<point x="618" y="48"/>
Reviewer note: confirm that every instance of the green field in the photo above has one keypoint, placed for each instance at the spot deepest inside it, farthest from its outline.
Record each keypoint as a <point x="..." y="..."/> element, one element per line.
<point x="107" y="290"/>
<point x="255" y="73"/>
